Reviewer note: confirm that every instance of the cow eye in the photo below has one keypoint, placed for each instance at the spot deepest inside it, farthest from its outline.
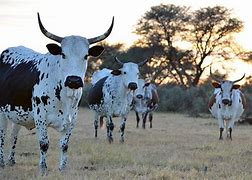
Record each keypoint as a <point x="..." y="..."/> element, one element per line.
<point x="124" y="73"/>
<point x="63" y="55"/>
<point x="86" y="56"/>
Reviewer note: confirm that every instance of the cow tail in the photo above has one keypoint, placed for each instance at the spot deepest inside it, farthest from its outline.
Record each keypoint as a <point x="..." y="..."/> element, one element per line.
<point x="101" y="122"/>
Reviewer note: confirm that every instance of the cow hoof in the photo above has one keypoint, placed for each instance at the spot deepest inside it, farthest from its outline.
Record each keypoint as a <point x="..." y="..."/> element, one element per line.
<point x="62" y="168"/>
<point x="122" y="141"/>
<point x="11" y="162"/>
<point x="110" y="139"/>
<point x="229" y="138"/>
<point x="221" y="138"/>
<point x="2" y="164"/>
<point x="43" y="172"/>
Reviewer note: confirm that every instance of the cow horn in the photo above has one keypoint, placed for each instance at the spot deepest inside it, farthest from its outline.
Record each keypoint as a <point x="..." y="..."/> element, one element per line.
<point x="143" y="62"/>
<point x="117" y="60"/>
<point x="101" y="37"/>
<point x="48" y="34"/>
<point x="239" y="79"/>
<point x="213" y="77"/>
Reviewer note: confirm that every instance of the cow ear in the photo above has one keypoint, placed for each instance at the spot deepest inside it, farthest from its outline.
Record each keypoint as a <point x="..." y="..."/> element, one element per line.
<point x="116" y="72"/>
<point x="236" y="86"/>
<point x="95" y="51"/>
<point x="146" y="84"/>
<point x="216" y="85"/>
<point x="54" y="49"/>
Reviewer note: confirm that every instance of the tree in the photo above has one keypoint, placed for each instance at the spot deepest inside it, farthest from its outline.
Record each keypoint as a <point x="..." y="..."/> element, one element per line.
<point x="165" y="28"/>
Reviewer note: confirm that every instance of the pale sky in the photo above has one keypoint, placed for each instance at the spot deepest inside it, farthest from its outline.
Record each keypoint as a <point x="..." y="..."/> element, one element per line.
<point x="89" y="18"/>
<point x="18" y="19"/>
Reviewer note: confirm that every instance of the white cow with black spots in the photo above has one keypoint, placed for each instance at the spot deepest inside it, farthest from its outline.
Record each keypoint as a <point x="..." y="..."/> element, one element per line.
<point x="226" y="104"/>
<point x="43" y="90"/>
<point x="100" y="74"/>
<point x="112" y="96"/>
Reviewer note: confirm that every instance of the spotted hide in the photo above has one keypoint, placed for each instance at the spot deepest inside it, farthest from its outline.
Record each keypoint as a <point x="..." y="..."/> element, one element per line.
<point x="112" y="96"/>
<point x="145" y="101"/>
<point x="43" y="90"/>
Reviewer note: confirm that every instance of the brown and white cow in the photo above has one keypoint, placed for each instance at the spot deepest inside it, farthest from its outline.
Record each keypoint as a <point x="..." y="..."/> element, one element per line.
<point x="226" y="104"/>
<point x="145" y="101"/>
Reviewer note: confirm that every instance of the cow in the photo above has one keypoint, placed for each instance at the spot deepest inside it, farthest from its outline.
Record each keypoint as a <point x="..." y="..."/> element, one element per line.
<point x="43" y="90"/>
<point x="100" y="74"/>
<point x="112" y="96"/>
<point x="226" y="104"/>
<point x="145" y="101"/>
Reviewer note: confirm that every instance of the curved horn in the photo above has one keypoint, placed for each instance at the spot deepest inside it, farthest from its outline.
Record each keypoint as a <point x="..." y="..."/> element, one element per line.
<point x="101" y="37"/>
<point x="213" y="77"/>
<point x="48" y="34"/>
<point x="239" y="79"/>
<point x="117" y="60"/>
<point x="143" y="62"/>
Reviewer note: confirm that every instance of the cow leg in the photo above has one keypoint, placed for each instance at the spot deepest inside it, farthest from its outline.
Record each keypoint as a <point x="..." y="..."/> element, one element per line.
<point x="3" y="129"/>
<point x="64" y="147"/>
<point x="230" y="133"/>
<point x="13" y="140"/>
<point x="150" y="119"/>
<point x="41" y="127"/>
<point x="221" y="130"/>
<point x="138" y="119"/>
<point x="144" y="119"/>
<point x="230" y="128"/>
<point x="221" y="126"/>
<point x="110" y="128"/>
<point x="96" y="123"/>
<point x="122" y="128"/>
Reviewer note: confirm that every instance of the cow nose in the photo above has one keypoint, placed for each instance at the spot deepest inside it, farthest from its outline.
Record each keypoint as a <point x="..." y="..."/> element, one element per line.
<point x="132" y="86"/>
<point x="139" y="96"/>
<point x="225" y="101"/>
<point x="73" y="82"/>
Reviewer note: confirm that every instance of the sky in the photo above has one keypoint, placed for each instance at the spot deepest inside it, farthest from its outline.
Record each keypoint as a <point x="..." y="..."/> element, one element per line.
<point x="90" y="18"/>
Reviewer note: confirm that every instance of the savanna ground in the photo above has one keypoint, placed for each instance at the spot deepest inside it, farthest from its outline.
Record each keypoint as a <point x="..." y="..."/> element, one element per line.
<point x="177" y="147"/>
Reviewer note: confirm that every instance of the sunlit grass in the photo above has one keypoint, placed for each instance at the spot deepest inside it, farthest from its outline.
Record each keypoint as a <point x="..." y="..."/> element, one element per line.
<point x="177" y="147"/>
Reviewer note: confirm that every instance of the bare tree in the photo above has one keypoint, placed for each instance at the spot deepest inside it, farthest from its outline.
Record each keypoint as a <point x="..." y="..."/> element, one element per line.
<point x="209" y="31"/>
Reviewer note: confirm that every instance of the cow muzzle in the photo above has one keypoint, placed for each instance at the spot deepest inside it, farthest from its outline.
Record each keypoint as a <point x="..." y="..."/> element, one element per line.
<point x="226" y="102"/>
<point x="73" y="82"/>
<point x="132" y="86"/>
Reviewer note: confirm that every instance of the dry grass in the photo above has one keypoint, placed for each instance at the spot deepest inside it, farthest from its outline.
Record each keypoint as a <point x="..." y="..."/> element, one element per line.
<point x="177" y="147"/>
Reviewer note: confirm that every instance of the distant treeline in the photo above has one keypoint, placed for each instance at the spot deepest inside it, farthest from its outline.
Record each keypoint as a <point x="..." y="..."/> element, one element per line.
<point x="192" y="101"/>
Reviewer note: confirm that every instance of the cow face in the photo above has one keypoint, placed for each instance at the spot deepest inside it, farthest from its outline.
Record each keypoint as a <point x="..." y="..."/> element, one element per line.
<point x="226" y="91"/>
<point x="141" y="88"/>
<point x="74" y="51"/>
<point x="130" y="74"/>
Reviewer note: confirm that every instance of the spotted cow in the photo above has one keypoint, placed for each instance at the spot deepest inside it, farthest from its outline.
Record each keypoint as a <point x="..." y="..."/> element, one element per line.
<point x="226" y="104"/>
<point x="145" y="101"/>
<point x="112" y="96"/>
<point x="100" y="74"/>
<point x="43" y="90"/>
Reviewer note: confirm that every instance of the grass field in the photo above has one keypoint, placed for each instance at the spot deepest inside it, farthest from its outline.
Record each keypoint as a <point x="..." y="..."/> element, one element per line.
<point x="177" y="147"/>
